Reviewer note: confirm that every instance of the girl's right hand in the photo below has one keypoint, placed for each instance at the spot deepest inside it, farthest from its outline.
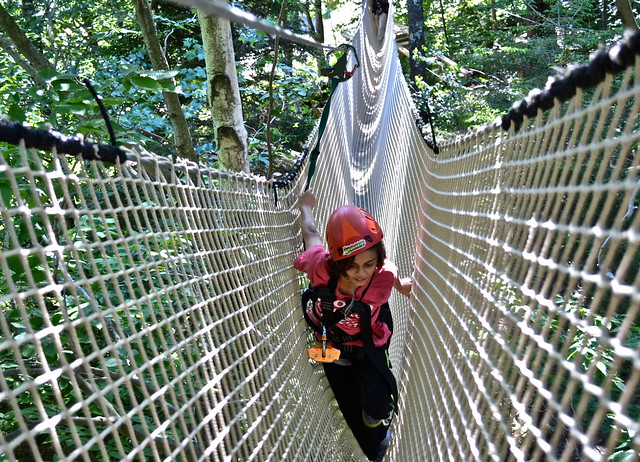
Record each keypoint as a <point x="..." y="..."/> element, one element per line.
<point x="307" y="199"/>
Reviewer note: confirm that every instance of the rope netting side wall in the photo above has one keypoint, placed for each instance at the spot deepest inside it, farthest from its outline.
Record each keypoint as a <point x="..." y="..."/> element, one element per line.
<point x="527" y="326"/>
<point x="150" y="312"/>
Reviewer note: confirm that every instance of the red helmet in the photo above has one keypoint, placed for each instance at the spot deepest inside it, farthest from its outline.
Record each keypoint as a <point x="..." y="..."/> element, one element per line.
<point x="351" y="230"/>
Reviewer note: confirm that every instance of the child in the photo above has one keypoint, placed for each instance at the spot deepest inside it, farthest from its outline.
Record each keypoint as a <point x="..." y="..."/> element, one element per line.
<point x="351" y="284"/>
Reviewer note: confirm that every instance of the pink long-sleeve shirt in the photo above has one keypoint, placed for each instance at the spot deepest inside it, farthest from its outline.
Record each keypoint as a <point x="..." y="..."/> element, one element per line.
<point x="315" y="263"/>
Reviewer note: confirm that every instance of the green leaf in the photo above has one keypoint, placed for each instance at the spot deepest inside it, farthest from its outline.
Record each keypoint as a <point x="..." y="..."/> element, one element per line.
<point x="112" y="363"/>
<point x="19" y="325"/>
<point x="28" y="350"/>
<point x="167" y="86"/>
<point x="113" y="101"/>
<point x="146" y="83"/>
<point x="160" y="75"/>
<point x="602" y="367"/>
<point x="15" y="264"/>
<point x="128" y="68"/>
<point x="7" y="193"/>
<point x="48" y="74"/>
<point x="67" y="77"/>
<point x="16" y="113"/>
<point x="70" y="108"/>
<point x="35" y="266"/>
<point x="623" y="456"/>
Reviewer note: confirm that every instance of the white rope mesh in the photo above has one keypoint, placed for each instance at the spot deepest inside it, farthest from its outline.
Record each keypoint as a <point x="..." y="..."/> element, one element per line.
<point x="151" y="311"/>
<point x="526" y="327"/>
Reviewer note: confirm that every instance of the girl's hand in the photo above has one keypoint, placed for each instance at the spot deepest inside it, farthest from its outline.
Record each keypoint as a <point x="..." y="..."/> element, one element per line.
<point x="310" y="234"/>
<point x="404" y="286"/>
<point x="307" y="199"/>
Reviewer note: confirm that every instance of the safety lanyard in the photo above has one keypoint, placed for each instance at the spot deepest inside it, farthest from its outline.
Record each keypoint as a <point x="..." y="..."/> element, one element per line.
<point x="338" y="73"/>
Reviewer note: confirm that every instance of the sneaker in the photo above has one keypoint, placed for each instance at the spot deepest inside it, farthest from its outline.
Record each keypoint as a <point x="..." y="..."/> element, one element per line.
<point x="384" y="445"/>
<point x="372" y="422"/>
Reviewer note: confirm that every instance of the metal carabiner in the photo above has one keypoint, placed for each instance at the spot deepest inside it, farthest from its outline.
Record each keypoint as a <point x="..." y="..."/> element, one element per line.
<point x="324" y="341"/>
<point x="339" y="70"/>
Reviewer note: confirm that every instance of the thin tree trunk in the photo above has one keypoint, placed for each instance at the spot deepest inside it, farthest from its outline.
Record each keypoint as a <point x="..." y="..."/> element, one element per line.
<point x="625" y="12"/>
<point x="274" y="67"/>
<point x="415" y="18"/>
<point x="22" y="43"/>
<point x="494" y="16"/>
<point x="223" y="93"/>
<point x="444" y="26"/>
<point x="317" y="6"/>
<point x="181" y="133"/>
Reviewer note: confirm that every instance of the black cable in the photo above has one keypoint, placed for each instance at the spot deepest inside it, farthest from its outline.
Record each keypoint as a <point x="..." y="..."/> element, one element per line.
<point x="290" y="175"/>
<point x="103" y="111"/>
<point x="563" y="87"/>
<point x="50" y="140"/>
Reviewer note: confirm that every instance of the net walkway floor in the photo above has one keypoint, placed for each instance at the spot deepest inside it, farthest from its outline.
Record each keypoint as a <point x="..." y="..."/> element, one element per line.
<point x="150" y="311"/>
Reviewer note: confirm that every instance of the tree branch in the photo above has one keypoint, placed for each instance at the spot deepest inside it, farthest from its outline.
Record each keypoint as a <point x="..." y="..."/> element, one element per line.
<point x="8" y="47"/>
<point x="183" y="141"/>
<point x="22" y="42"/>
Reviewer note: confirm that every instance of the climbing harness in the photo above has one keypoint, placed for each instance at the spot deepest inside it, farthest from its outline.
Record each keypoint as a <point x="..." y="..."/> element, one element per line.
<point x="323" y="301"/>
<point x="332" y="311"/>
<point x="323" y="353"/>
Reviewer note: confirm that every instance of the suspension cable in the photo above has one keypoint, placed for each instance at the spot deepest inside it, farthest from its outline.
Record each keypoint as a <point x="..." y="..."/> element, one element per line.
<point x="235" y="14"/>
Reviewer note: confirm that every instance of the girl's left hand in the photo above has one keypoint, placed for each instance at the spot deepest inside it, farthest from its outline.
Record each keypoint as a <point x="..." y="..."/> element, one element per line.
<point x="404" y="286"/>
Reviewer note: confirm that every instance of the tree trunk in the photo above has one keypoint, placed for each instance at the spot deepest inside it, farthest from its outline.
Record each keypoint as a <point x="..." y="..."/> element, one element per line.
<point x="494" y="16"/>
<point x="22" y="43"/>
<point x="223" y="93"/>
<point x="181" y="133"/>
<point x="415" y="18"/>
<point x="316" y="24"/>
<point x="625" y="12"/>
<point x="319" y="26"/>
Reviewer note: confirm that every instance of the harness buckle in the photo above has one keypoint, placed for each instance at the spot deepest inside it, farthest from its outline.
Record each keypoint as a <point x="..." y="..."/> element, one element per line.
<point x="323" y="353"/>
<point x="329" y="354"/>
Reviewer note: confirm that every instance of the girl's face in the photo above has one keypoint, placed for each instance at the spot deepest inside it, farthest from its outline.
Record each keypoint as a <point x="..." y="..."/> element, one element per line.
<point x="362" y="268"/>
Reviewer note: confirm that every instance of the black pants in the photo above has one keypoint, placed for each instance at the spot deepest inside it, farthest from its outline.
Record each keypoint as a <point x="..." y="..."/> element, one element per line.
<point x="360" y="387"/>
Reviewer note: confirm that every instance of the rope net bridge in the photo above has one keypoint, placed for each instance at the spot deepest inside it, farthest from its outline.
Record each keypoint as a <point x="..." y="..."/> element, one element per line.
<point x="150" y="310"/>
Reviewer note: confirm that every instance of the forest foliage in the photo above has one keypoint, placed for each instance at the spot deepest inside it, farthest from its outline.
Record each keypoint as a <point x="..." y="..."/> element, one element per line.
<point x="480" y="56"/>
